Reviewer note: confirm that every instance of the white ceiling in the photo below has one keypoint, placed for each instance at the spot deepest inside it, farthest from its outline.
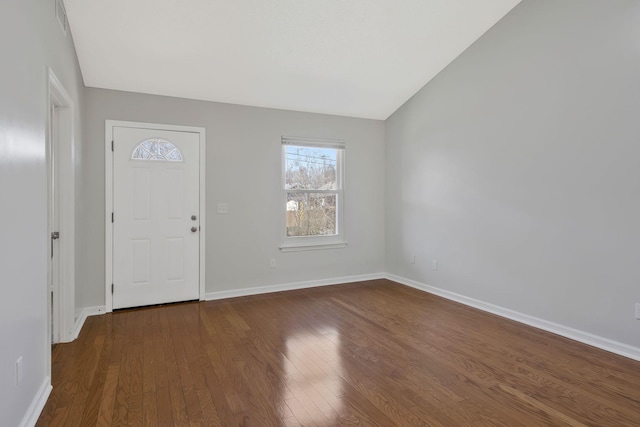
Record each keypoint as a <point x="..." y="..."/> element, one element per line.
<point x="360" y="58"/>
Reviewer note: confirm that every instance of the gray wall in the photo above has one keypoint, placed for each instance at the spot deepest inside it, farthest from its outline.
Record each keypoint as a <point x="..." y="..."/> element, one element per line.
<point x="30" y="40"/>
<point x="243" y="169"/>
<point x="517" y="168"/>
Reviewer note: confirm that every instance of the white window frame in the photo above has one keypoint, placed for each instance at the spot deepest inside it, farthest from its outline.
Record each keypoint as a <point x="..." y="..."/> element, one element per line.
<point x="302" y="243"/>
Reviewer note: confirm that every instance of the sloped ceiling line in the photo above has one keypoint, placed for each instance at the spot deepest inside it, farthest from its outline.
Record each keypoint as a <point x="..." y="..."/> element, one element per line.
<point x="358" y="58"/>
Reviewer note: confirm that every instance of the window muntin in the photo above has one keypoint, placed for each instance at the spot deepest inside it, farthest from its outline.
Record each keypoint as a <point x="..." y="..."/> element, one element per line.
<point x="313" y="191"/>
<point x="157" y="149"/>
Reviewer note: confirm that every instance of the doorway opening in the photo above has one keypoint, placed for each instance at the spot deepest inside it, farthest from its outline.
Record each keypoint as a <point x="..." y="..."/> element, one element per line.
<point x="61" y="217"/>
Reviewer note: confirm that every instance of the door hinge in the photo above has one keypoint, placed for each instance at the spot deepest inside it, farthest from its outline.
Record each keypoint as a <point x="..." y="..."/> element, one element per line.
<point x="112" y="289"/>
<point x="112" y="145"/>
<point x="112" y="217"/>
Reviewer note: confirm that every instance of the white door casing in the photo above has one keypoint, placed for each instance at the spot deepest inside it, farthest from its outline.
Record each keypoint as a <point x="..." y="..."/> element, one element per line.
<point x="54" y="222"/>
<point x="61" y="214"/>
<point x="157" y="206"/>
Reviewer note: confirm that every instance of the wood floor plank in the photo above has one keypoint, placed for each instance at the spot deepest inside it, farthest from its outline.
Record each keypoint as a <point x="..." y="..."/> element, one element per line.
<point x="227" y="400"/>
<point x="64" y="372"/>
<point x="187" y="381"/>
<point x="368" y="354"/>
<point x="92" y="406"/>
<point x="163" y="397"/>
<point x="135" y="397"/>
<point x="176" y="392"/>
<point x="199" y="365"/>
<point x="149" y="403"/>
<point x="84" y="376"/>
<point x="124" y="339"/>
<point x="105" y="412"/>
<point x="59" y="417"/>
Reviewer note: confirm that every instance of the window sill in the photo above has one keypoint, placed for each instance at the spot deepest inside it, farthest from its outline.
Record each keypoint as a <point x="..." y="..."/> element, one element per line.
<point x="290" y="247"/>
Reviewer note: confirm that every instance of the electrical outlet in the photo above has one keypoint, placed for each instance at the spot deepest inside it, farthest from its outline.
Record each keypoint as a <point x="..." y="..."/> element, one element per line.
<point x="434" y="264"/>
<point x="413" y="259"/>
<point x="223" y="208"/>
<point x="273" y="263"/>
<point x="638" y="310"/>
<point x="18" y="370"/>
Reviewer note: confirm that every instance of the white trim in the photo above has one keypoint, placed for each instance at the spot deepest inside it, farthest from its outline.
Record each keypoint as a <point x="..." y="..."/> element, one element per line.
<point x="203" y="212"/>
<point x="234" y="293"/>
<point x="86" y="312"/>
<point x="108" y="137"/>
<point x="312" y="246"/>
<point x="37" y="404"/>
<point x="65" y="293"/>
<point x="565" y="331"/>
<point x="108" y="202"/>
<point x="306" y="243"/>
<point x="337" y="144"/>
<point x="584" y="337"/>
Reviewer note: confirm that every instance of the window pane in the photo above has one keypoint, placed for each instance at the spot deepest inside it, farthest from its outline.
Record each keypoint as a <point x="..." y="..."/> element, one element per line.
<point x="310" y="168"/>
<point x="156" y="149"/>
<point x="311" y="214"/>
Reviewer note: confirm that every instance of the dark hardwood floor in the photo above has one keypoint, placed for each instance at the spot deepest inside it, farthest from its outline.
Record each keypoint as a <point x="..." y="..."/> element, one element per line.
<point x="368" y="354"/>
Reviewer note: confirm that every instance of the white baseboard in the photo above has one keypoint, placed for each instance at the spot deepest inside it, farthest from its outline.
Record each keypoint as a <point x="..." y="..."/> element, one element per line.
<point x="565" y="331"/>
<point x="37" y="404"/>
<point x="86" y="312"/>
<point x="291" y="286"/>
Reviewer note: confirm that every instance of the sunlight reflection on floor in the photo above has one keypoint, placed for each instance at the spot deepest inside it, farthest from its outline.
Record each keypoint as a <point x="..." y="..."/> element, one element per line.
<point x="314" y="384"/>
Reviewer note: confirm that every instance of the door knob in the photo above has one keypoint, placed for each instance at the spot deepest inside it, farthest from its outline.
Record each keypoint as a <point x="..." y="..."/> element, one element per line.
<point x="194" y="229"/>
<point x="193" y="217"/>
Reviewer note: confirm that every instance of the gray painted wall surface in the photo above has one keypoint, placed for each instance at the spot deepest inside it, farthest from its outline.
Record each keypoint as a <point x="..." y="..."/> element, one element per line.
<point x="243" y="170"/>
<point x="30" y="40"/>
<point x="517" y="168"/>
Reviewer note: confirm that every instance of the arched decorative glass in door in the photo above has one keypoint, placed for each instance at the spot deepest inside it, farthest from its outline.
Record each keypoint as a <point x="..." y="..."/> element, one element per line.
<point x="157" y="149"/>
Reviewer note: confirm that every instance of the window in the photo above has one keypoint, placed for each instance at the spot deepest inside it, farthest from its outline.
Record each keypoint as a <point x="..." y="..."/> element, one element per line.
<point x="156" y="149"/>
<point x="312" y="176"/>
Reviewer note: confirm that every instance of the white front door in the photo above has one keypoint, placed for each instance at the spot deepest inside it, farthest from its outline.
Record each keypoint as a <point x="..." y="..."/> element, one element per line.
<point x="156" y="216"/>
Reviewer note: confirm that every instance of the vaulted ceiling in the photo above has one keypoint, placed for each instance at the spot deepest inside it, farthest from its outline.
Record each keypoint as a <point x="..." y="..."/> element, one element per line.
<point x="360" y="58"/>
